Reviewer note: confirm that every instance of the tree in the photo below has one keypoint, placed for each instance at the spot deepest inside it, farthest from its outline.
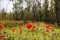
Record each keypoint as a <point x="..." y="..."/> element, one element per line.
<point x="36" y="10"/>
<point x="17" y="7"/>
<point x="52" y="12"/>
<point x="57" y="10"/>
<point x="46" y="10"/>
<point x="3" y="13"/>
<point x="39" y="11"/>
<point x="28" y="9"/>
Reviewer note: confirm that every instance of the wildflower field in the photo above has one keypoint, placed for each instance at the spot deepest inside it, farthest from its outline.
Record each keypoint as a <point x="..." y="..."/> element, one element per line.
<point x="18" y="30"/>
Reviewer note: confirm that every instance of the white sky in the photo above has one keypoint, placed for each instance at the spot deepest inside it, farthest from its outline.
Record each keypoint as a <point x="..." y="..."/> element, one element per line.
<point x="8" y="5"/>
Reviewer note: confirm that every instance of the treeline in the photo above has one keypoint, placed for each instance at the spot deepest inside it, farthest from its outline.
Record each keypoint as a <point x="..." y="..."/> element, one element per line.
<point x="49" y="11"/>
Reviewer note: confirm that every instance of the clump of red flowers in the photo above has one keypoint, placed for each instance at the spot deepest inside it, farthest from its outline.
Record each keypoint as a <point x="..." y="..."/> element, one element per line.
<point x="1" y="27"/>
<point x="2" y="36"/>
<point x="48" y="28"/>
<point x="13" y="28"/>
<point x="29" y="26"/>
<point x="20" y="30"/>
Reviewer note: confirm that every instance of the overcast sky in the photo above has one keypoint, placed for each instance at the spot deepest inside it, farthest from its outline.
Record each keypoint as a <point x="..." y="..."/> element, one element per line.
<point x="8" y="5"/>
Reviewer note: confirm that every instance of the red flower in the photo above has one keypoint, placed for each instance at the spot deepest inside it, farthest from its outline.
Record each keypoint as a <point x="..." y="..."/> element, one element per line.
<point x="2" y="36"/>
<point x="1" y="27"/>
<point x="29" y="26"/>
<point x="13" y="29"/>
<point x="47" y="26"/>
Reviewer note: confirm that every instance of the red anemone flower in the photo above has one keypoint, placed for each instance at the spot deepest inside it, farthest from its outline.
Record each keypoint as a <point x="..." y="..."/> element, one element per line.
<point x="47" y="26"/>
<point x="13" y="29"/>
<point x="2" y="36"/>
<point x="1" y="27"/>
<point x="29" y="26"/>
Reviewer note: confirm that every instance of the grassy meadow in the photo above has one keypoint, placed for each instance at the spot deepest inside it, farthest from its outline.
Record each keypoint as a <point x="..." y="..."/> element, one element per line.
<point x="18" y="30"/>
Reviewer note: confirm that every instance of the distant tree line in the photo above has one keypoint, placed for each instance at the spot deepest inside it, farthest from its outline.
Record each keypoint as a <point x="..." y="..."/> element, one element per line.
<point x="35" y="11"/>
